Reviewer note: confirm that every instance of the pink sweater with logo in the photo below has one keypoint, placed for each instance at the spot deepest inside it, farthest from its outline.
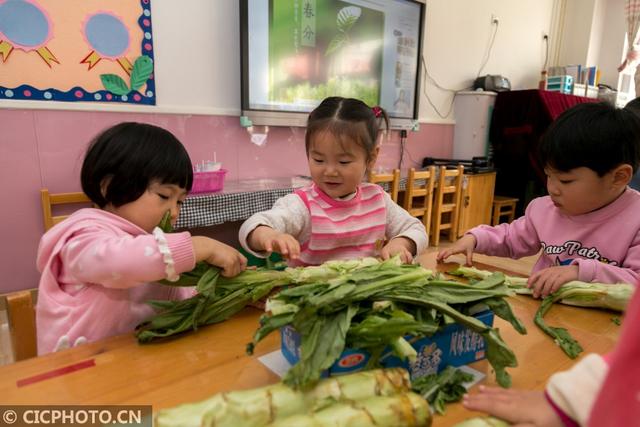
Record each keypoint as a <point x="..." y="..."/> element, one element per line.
<point x="343" y="229"/>
<point x="95" y="271"/>
<point x="605" y="244"/>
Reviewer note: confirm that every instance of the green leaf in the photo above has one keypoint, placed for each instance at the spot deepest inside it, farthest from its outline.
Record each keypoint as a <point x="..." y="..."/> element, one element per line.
<point x="442" y="388"/>
<point x="347" y="17"/>
<point x="142" y="69"/>
<point x="336" y="43"/>
<point x="561" y="336"/>
<point x="114" y="84"/>
<point x="165" y="223"/>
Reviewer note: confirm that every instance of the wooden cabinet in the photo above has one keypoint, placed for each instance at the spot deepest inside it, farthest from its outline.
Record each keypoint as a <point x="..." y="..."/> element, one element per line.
<point x="476" y="200"/>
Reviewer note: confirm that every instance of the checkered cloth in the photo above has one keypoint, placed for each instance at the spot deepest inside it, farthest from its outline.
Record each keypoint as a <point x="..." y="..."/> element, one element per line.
<point x="204" y="210"/>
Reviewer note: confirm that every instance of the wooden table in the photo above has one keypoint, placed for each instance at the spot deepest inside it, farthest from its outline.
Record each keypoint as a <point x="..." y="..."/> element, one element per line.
<point x="119" y="371"/>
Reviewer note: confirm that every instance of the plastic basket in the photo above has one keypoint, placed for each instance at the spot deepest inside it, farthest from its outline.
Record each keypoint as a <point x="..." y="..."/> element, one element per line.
<point x="208" y="182"/>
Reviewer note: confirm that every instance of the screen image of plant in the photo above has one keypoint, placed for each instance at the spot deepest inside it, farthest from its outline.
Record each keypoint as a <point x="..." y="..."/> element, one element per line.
<point x="320" y="48"/>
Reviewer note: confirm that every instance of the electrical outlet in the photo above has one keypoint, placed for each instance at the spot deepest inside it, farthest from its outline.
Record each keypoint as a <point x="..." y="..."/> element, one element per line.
<point x="495" y="19"/>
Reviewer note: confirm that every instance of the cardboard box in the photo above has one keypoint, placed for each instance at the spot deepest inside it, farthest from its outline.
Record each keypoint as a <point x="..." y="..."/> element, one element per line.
<point x="454" y="345"/>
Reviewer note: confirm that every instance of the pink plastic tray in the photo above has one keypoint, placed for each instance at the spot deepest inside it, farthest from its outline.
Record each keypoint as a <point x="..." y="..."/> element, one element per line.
<point x="208" y="182"/>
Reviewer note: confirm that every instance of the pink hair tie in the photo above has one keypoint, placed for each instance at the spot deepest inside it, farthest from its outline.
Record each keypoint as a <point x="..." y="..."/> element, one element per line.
<point x="377" y="111"/>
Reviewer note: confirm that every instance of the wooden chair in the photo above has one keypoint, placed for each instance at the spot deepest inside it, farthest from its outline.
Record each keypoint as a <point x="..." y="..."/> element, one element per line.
<point x="392" y="179"/>
<point x="418" y="196"/>
<point x="49" y="200"/>
<point x="22" y="322"/>
<point x="503" y="206"/>
<point x="447" y="202"/>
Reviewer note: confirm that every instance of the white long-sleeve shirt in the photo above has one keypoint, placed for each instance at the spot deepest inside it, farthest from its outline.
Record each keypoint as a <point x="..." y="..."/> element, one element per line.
<point x="290" y="215"/>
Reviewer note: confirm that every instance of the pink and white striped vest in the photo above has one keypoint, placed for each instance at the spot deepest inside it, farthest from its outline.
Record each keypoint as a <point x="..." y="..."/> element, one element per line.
<point x="343" y="229"/>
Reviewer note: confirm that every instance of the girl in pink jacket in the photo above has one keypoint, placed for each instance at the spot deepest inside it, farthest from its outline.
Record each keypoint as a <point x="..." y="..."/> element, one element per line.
<point x="588" y="227"/>
<point x="97" y="264"/>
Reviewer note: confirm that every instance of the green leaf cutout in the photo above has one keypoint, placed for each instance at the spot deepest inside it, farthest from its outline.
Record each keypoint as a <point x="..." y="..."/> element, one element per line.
<point x="142" y="69"/>
<point x="347" y="17"/>
<point x="336" y="43"/>
<point x="114" y="84"/>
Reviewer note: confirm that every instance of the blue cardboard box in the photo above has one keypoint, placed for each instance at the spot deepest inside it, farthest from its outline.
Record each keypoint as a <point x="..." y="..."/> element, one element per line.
<point x="454" y="345"/>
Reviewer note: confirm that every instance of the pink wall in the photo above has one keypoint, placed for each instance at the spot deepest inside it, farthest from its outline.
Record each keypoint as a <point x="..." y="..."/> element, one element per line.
<point x="42" y="148"/>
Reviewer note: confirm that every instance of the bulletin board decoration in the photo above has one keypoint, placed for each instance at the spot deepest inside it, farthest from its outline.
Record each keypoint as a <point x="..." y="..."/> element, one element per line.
<point x="76" y="50"/>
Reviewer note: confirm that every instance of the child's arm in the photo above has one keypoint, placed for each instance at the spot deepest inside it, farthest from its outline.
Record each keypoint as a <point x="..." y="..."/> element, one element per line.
<point x="95" y="255"/>
<point x="520" y="407"/>
<point x="265" y="239"/>
<point x="278" y="229"/>
<point x="464" y="245"/>
<point x="217" y="253"/>
<point x="513" y="240"/>
<point x="573" y="392"/>
<point x="567" y="400"/>
<point x="406" y="234"/>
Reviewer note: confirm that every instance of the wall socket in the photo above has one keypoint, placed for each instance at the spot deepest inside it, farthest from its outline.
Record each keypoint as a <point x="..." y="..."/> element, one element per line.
<point x="495" y="19"/>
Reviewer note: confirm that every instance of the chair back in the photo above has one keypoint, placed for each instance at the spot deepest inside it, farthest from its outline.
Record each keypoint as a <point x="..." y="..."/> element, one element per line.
<point x="50" y="200"/>
<point x="21" y="314"/>
<point x="390" y="181"/>
<point x="447" y="203"/>
<point x="418" y="196"/>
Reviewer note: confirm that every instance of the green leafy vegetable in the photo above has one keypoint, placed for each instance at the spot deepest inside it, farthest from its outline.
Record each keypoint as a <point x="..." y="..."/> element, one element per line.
<point x="575" y="293"/>
<point x="445" y="387"/>
<point x="376" y="305"/>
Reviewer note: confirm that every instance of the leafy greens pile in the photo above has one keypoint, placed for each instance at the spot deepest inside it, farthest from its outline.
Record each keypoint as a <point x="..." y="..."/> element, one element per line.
<point x="576" y="293"/>
<point x="374" y="306"/>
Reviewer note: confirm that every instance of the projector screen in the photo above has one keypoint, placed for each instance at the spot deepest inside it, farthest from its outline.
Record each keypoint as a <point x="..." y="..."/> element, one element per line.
<point x="295" y="53"/>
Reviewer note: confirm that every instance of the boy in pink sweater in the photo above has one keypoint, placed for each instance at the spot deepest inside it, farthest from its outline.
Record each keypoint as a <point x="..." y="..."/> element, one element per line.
<point x="588" y="227"/>
<point x="338" y="216"/>
<point x="97" y="264"/>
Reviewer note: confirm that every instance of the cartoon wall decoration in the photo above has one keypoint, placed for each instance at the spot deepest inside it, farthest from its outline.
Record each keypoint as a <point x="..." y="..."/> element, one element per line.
<point x="77" y="50"/>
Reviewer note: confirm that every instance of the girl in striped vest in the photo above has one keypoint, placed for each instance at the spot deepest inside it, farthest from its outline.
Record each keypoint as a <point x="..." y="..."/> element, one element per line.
<point x="338" y="216"/>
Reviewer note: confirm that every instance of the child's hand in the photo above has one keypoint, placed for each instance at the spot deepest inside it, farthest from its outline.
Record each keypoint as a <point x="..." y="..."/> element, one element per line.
<point x="267" y="239"/>
<point x="520" y="407"/>
<point x="217" y="253"/>
<point x="466" y="244"/>
<point x="402" y="246"/>
<point x="549" y="280"/>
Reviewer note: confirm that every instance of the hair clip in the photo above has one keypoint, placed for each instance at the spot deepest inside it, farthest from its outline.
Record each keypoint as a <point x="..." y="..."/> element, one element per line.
<point x="377" y="111"/>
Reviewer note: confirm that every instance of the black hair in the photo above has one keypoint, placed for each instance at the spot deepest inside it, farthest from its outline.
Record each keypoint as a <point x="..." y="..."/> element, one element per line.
<point x="347" y="119"/>
<point x="593" y="135"/>
<point x="633" y="106"/>
<point x="128" y="157"/>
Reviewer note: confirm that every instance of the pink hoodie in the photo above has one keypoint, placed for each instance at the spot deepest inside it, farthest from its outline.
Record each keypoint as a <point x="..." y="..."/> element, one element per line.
<point x="605" y="244"/>
<point x="618" y="402"/>
<point x="95" y="267"/>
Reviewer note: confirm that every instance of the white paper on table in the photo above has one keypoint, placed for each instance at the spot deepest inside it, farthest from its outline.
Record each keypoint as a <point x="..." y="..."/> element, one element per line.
<point x="276" y="363"/>
<point x="477" y="376"/>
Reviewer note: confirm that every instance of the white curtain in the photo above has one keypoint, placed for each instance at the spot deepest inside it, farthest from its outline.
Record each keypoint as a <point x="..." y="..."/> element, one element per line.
<point x="632" y="12"/>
